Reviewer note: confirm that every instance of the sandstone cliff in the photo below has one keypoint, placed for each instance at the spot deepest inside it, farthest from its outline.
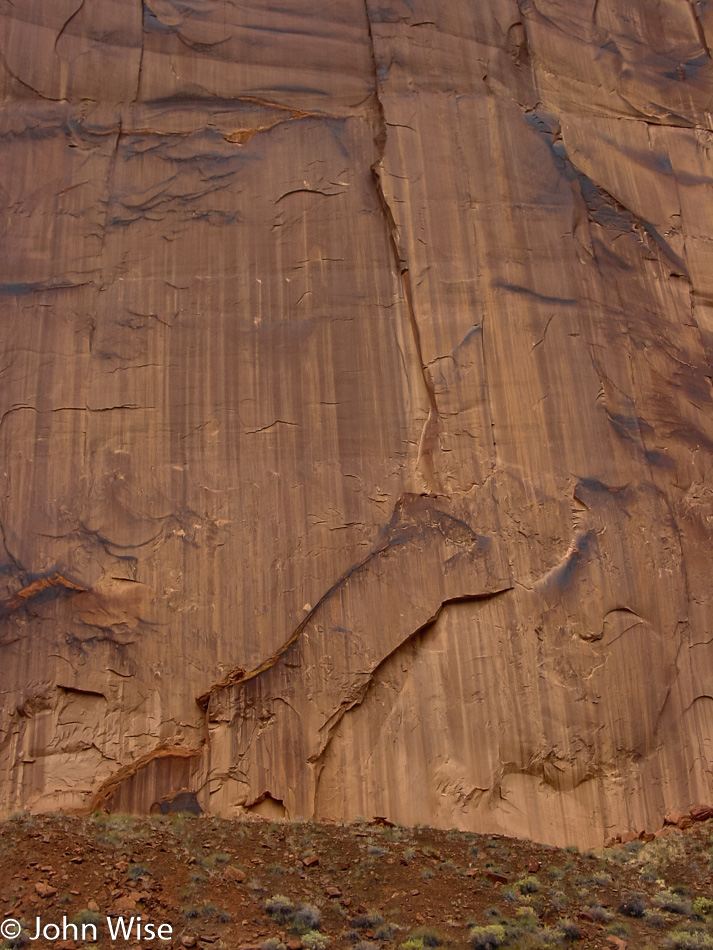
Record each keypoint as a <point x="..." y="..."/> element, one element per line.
<point x="356" y="409"/>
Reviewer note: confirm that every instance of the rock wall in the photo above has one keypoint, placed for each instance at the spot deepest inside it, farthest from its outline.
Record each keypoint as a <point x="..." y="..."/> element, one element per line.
<point x="357" y="427"/>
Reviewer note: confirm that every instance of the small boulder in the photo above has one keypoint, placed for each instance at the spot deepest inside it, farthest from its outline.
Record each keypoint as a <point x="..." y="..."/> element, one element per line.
<point x="45" y="890"/>
<point x="496" y="878"/>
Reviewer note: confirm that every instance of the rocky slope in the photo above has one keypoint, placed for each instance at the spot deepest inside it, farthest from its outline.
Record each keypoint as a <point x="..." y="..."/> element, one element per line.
<point x="356" y="410"/>
<point x="259" y="885"/>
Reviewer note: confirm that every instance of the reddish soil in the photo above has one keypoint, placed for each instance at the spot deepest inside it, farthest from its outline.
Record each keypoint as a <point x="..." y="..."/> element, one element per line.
<point x="212" y="880"/>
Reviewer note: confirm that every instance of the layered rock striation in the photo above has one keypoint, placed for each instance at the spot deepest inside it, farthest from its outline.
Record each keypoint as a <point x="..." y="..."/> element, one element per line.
<point x="356" y="420"/>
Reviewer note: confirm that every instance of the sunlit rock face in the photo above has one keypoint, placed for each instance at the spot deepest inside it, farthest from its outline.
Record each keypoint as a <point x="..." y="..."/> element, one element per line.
<point x="357" y="418"/>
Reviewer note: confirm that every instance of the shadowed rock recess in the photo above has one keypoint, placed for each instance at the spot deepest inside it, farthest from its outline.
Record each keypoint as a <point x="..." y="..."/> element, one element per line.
<point x="357" y="417"/>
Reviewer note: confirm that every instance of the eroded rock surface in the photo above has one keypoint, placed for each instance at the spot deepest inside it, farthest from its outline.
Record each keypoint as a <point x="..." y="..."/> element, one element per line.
<point x="357" y="426"/>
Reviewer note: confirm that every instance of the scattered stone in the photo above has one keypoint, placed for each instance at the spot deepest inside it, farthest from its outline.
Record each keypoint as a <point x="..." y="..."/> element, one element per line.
<point x="496" y="878"/>
<point x="384" y="822"/>
<point x="294" y="943"/>
<point x="236" y="875"/>
<point x="472" y="872"/>
<point x="701" y="812"/>
<point x="311" y="862"/>
<point x="332" y="892"/>
<point x="123" y="906"/>
<point x="534" y="866"/>
<point x="415" y="893"/>
<point x="617" y="943"/>
<point x="45" y="890"/>
<point x="189" y="941"/>
<point x="92" y="905"/>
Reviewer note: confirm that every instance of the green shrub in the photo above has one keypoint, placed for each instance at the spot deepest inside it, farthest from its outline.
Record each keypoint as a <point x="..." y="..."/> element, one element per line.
<point x="487" y="938"/>
<point x="376" y="850"/>
<point x="569" y="930"/>
<point x="689" y="940"/>
<point x="599" y="913"/>
<point x="87" y="917"/>
<point x="423" y="938"/>
<point x="633" y="906"/>
<point x="702" y="907"/>
<point x="369" y="921"/>
<point x="617" y="929"/>
<point x="280" y="908"/>
<point x="306" y="918"/>
<point x="601" y="880"/>
<point x="672" y="902"/>
<point x="558" y="900"/>
<point x="386" y="933"/>
<point x="314" y="940"/>
<point x="655" y="920"/>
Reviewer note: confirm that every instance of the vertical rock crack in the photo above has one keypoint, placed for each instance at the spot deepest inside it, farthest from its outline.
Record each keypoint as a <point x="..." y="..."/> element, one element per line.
<point x="429" y="441"/>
